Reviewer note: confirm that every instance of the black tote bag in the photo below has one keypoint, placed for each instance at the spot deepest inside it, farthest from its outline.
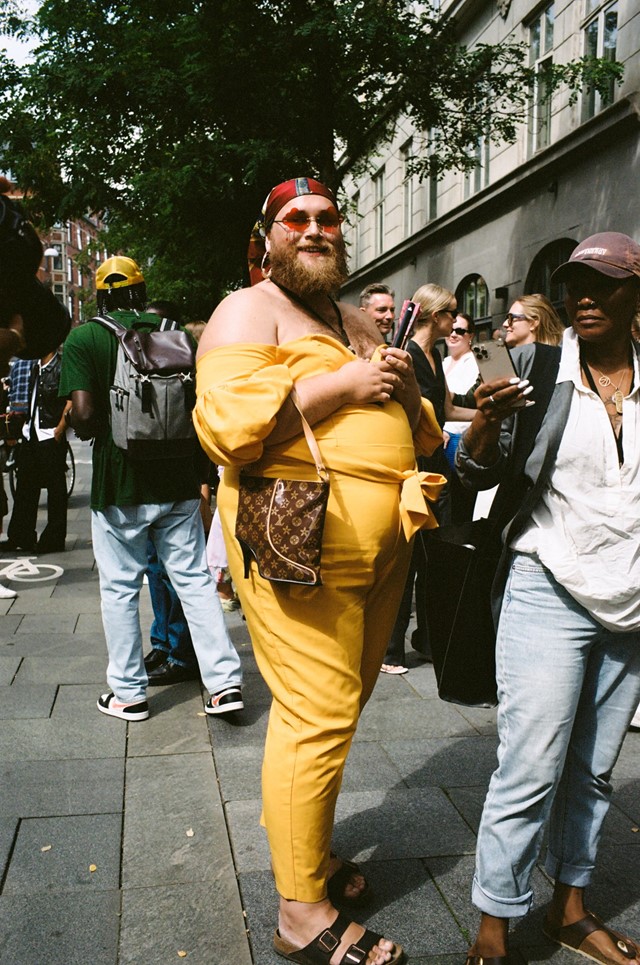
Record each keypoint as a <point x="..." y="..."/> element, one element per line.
<point x="461" y="564"/>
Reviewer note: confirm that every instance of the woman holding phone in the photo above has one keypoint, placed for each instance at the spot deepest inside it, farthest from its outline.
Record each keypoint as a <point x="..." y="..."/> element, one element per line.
<point x="566" y="599"/>
<point x="438" y="311"/>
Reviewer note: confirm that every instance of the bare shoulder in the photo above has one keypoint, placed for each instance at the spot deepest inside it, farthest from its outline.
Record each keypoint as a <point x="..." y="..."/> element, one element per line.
<point x="243" y="316"/>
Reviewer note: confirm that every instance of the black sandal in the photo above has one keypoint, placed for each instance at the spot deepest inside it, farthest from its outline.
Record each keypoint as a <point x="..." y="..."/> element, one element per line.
<point x="575" y="938"/>
<point x="339" y="880"/>
<point x="320" y="950"/>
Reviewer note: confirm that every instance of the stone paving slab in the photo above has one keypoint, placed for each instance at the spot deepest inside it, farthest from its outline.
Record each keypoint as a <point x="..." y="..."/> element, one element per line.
<point x="468" y="801"/>
<point x="8" y="831"/>
<point x="53" y="929"/>
<point x="9" y="625"/>
<point x="67" y="645"/>
<point x="41" y="788"/>
<point x="248" y="726"/>
<point x="62" y="740"/>
<point x="76" y="702"/>
<point x="8" y="668"/>
<point x="74" y="843"/>
<point x="32" y="592"/>
<point x="174" y="726"/>
<point x="174" y="818"/>
<point x="628" y="764"/>
<point x="626" y="796"/>
<point x="56" y="607"/>
<point x="444" y="762"/>
<point x="414" y="718"/>
<point x="397" y="823"/>
<point x="90" y="623"/>
<point x="82" y="670"/>
<point x="202" y="918"/>
<point x="26" y="700"/>
<point x="65" y="623"/>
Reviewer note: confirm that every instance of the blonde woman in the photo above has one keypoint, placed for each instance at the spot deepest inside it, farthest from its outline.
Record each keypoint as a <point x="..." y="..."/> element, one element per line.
<point x="532" y="318"/>
<point x="438" y="312"/>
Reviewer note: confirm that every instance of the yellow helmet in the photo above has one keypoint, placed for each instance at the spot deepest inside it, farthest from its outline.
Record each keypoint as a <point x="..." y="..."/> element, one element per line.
<point x="118" y="272"/>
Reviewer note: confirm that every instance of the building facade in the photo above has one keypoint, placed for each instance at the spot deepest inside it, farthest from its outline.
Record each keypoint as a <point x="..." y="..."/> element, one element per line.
<point x="499" y="232"/>
<point x="71" y="271"/>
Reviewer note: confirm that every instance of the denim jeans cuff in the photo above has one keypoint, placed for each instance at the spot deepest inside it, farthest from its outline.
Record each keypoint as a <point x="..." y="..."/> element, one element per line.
<point x="567" y="874"/>
<point x="500" y="907"/>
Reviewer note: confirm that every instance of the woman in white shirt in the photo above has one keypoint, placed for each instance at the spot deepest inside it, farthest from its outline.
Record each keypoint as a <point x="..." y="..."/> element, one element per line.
<point x="461" y="372"/>
<point x="568" y="638"/>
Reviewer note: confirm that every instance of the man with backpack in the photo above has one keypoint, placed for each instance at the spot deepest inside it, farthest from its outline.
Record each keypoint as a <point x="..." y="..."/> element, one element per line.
<point x="129" y="377"/>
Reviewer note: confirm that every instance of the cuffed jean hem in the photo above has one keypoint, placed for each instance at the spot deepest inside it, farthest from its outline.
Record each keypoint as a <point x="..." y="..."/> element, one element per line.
<point x="173" y="661"/>
<point x="567" y="874"/>
<point x="500" y="907"/>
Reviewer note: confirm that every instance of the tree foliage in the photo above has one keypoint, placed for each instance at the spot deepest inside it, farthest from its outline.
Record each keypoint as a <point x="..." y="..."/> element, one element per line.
<point x="175" y="117"/>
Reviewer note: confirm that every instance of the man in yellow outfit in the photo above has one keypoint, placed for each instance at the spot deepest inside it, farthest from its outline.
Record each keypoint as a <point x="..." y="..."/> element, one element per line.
<point x="319" y="648"/>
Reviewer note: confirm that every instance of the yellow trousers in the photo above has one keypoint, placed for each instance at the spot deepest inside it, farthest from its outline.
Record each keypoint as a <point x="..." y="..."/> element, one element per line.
<point x="319" y="651"/>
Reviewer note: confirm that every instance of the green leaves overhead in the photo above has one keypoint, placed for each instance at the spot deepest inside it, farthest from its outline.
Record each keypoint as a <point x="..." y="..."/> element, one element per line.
<point x="175" y="118"/>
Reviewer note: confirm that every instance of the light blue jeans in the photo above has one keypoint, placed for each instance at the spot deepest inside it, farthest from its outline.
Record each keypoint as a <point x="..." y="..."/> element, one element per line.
<point x="120" y="547"/>
<point x="567" y="690"/>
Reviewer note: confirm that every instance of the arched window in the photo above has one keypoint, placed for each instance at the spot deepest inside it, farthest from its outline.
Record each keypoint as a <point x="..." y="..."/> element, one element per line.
<point x="472" y="295"/>
<point x="542" y="267"/>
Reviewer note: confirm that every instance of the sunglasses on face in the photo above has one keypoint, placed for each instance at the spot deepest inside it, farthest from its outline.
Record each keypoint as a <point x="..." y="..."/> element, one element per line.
<point x="459" y="331"/>
<point x="327" y="222"/>
<point x="447" y="311"/>
<point x="511" y="318"/>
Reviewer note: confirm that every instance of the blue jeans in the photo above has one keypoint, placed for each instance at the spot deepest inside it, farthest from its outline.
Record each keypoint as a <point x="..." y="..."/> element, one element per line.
<point x="567" y="690"/>
<point x="120" y="536"/>
<point x="169" y="630"/>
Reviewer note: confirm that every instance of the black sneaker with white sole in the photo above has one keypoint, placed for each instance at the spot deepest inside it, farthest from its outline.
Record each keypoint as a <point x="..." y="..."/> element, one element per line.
<point x="225" y="701"/>
<point x="109" y="704"/>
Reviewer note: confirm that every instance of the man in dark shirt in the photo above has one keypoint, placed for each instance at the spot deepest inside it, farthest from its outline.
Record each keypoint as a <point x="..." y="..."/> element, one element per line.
<point x="132" y="500"/>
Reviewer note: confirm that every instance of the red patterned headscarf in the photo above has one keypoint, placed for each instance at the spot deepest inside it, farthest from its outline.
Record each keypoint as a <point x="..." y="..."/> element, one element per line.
<point x="295" y="188"/>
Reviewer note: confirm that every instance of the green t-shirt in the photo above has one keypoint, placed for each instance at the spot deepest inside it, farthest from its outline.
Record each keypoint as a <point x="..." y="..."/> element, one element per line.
<point x="89" y="364"/>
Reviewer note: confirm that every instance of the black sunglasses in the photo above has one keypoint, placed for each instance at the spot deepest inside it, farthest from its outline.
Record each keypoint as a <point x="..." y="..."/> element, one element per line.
<point x="459" y="331"/>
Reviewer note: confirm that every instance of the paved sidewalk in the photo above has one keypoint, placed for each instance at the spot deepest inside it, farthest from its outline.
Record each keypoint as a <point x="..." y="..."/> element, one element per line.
<point x="132" y="844"/>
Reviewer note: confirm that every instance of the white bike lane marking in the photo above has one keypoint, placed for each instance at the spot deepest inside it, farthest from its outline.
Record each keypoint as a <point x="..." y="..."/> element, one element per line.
<point x="23" y="570"/>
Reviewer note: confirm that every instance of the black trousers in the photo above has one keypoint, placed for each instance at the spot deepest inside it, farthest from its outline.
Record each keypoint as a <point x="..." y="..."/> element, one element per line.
<point x="40" y="465"/>
<point x="416" y="577"/>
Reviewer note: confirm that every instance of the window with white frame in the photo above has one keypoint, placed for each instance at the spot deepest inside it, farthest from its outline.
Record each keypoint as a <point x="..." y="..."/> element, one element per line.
<point x="406" y="153"/>
<point x="600" y="40"/>
<point x="478" y="178"/>
<point x="430" y="184"/>
<point x="473" y="297"/>
<point x="356" y="231"/>
<point x="540" y="58"/>
<point x="378" y="211"/>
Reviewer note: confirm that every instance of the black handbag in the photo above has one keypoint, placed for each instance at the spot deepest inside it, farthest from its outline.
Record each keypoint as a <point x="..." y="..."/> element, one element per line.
<point x="280" y="521"/>
<point x="462" y="560"/>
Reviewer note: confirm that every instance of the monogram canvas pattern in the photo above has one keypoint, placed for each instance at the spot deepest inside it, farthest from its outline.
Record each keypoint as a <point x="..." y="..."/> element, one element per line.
<point x="279" y="524"/>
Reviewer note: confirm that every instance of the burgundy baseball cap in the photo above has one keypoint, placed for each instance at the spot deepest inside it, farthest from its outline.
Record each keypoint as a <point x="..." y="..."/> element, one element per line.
<point x="610" y="253"/>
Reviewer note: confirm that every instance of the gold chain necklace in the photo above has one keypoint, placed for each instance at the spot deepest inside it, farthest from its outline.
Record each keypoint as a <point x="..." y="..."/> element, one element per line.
<point x="617" y="398"/>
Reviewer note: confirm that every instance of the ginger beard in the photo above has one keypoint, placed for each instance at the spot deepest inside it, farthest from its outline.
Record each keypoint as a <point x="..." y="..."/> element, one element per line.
<point x="324" y="278"/>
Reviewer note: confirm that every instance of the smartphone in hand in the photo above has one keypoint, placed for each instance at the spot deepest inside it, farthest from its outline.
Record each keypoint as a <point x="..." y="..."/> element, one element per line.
<point x="406" y="322"/>
<point x="495" y="362"/>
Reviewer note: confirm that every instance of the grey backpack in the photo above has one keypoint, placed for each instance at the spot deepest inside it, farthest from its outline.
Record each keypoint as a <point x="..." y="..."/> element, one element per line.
<point x="153" y="391"/>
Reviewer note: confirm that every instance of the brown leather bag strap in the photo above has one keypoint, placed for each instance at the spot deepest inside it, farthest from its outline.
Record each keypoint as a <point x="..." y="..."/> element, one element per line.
<point x="311" y="440"/>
